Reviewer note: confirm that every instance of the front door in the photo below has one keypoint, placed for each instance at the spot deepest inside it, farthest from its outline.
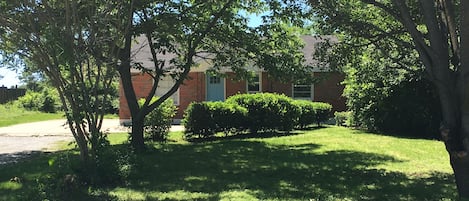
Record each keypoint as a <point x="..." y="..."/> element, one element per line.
<point x="215" y="88"/>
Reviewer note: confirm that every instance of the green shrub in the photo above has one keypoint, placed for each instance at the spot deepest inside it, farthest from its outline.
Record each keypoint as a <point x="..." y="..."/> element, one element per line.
<point x="207" y="118"/>
<point x="51" y="102"/>
<point x="308" y="113"/>
<point x="45" y="101"/>
<point x="198" y="120"/>
<point x="228" y="117"/>
<point x="342" y="118"/>
<point x="31" y="101"/>
<point x="158" y="122"/>
<point x="267" y="111"/>
<point x="322" y="112"/>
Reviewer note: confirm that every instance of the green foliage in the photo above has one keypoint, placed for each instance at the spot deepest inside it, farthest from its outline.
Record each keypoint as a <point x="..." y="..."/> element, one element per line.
<point x="268" y="111"/>
<point x="308" y="113"/>
<point x="46" y="100"/>
<point x="198" y="121"/>
<point x="31" y="101"/>
<point x="312" y="112"/>
<point x="158" y="122"/>
<point x="228" y="117"/>
<point x="403" y="108"/>
<point x="207" y="118"/>
<point x="384" y="85"/>
<point x="322" y="112"/>
<point x="342" y="118"/>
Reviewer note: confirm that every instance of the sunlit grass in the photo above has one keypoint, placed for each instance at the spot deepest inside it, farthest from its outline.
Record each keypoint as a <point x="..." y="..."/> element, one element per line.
<point x="11" y="115"/>
<point x="331" y="163"/>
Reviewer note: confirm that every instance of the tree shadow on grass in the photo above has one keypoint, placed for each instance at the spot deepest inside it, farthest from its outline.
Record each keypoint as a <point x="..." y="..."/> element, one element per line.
<point x="40" y="176"/>
<point x="244" y="170"/>
<point x="269" y="172"/>
<point x="245" y="135"/>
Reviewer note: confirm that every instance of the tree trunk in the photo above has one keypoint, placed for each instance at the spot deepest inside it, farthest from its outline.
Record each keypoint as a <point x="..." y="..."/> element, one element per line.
<point x="137" y="140"/>
<point x="460" y="164"/>
<point x="453" y="135"/>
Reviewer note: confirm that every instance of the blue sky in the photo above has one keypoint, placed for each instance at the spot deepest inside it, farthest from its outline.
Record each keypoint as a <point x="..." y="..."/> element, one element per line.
<point x="10" y="78"/>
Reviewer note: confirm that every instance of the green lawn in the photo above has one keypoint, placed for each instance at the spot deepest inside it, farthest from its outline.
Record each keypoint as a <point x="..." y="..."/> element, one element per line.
<point x="11" y="115"/>
<point x="331" y="163"/>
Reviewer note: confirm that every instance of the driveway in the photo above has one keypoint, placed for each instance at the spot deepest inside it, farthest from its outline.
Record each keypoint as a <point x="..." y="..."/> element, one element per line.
<point x="21" y="140"/>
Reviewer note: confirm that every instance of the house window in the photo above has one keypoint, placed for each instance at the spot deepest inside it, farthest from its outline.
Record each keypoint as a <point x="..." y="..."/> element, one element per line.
<point x="164" y="85"/>
<point x="302" y="91"/>
<point x="254" y="83"/>
<point x="214" y="80"/>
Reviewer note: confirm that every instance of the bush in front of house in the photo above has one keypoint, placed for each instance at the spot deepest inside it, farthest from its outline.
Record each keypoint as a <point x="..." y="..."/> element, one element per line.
<point x="198" y="120"/>
<point x="268" y="111"/>
<point x="205" y="119"/>
<point x="228" y="117"/>
<point x="322" y="112"/>
<point x="158" y="122"/>
<point x="308" y="113"/>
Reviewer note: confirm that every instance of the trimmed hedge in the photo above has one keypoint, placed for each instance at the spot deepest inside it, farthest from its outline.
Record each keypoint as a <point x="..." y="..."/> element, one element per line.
<point x="308" y="113"/>
<point x="268" y="111"/>
<point x="313" y="112"/>
<point x="158" y="122"/>
<point x="207" y="118"/>
<point x="322" y="112"/>
<point x="257" y="112"/>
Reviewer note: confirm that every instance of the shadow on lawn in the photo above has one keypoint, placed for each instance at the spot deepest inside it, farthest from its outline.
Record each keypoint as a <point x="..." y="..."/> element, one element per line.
<point x="251" y="168"/>
<point x="280" y="172"/>
<point x="237" y="136"/>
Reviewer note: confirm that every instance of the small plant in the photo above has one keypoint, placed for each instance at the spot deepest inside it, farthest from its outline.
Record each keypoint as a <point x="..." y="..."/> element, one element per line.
<point x="158" y="122"/>
<point x="343" y="118"/>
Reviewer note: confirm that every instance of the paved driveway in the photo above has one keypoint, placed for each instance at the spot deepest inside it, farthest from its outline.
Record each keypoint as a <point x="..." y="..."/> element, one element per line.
<point x="22" y="140"/>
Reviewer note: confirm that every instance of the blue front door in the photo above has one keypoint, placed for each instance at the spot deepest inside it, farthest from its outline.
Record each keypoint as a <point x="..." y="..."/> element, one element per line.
<point x="215" y="88"/>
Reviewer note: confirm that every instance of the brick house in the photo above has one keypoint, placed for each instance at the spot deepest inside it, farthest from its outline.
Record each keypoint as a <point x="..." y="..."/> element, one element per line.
<point x="201" y="86"/>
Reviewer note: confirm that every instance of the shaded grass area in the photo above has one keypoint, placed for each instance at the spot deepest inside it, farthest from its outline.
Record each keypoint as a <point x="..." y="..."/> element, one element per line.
<point x="323" y="164"/>
<point x="11" y="115"/>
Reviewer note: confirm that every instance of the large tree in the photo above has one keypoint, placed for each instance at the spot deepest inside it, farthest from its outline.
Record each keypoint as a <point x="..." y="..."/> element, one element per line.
<point x="77" y="45"/>
<point x="437" y="32"/>
<point x="212" y="31"/>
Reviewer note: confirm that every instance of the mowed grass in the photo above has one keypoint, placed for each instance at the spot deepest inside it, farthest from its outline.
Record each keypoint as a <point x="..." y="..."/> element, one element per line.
<point x="330" y="163"/>
<point x="10" y="115"/>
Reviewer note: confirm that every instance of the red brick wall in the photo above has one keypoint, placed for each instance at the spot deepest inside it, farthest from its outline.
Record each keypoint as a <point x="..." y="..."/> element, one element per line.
<point x="234" y="86"/>
<point x="192" y="90"/>
<point x="330" y="90"/>
<point x="142" y="86"/>
<point x="272" y="85"/>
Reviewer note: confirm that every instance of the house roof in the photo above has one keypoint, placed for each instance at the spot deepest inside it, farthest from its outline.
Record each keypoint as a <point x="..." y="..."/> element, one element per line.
<point x="141" y="53"/>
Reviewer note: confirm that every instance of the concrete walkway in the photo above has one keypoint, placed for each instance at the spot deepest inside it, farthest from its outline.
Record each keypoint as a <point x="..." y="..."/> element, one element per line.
<point x="21" y="140"/>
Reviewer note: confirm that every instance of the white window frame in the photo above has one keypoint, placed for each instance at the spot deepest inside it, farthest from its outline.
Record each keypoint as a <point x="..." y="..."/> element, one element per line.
<point x="259" y="82"/>
<point x="311" y="91"/>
